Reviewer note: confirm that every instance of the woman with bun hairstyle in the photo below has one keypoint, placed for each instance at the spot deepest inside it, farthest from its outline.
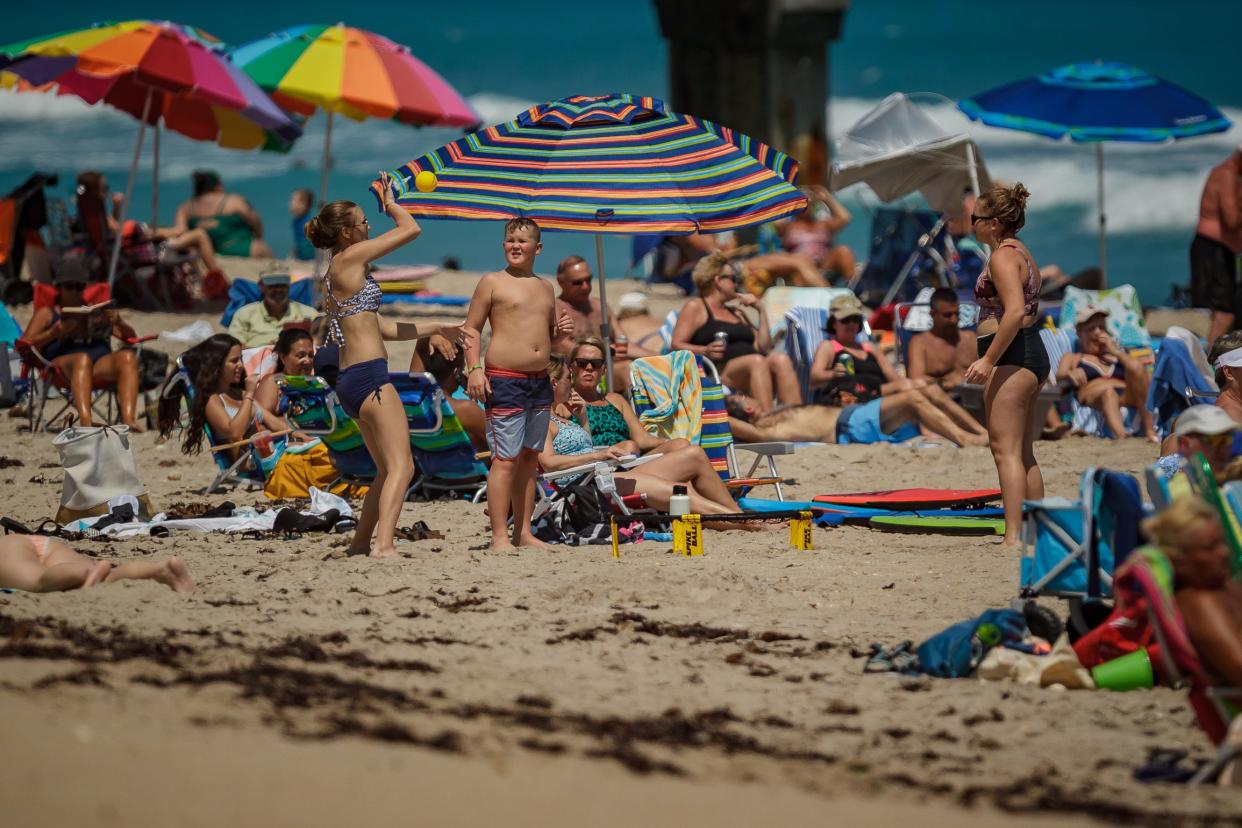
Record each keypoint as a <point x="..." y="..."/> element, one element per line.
<point x="1012" y="364"/>
<point x="351" y="301"/>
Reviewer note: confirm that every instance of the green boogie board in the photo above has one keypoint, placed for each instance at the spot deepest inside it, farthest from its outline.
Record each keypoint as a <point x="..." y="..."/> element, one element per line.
<point x="929" y="525"/>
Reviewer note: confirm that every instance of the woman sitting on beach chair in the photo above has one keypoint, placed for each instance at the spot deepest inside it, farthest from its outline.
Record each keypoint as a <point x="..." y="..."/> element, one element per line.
<point x="1105" y="376"/>
<point x="854" y="374"/>
<point x="569" y="444"/>
<point x="1190" y="534"/>
<point x="715" y="326"/>
<point x="221" y="398"/>
<point x="79" y="344"/>
<point x="610" y="418"/>
<point x="295" y="357"/>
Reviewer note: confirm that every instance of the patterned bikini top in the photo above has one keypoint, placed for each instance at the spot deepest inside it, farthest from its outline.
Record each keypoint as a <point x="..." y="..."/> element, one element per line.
<point x="571" y="438"/>
<point x="988" y="299"/>
<point x="366" y="300"/>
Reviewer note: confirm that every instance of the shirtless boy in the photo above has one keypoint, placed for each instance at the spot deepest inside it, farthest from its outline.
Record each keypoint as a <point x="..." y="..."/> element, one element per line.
<point x="514" y="386"/>
<point x="945" y="352"/>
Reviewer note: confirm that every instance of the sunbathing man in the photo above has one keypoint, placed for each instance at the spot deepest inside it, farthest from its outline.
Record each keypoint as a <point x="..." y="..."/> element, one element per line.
<point x="891" y="419"/>
<point x="514" y="386"/>
<point x="945" y="352"/>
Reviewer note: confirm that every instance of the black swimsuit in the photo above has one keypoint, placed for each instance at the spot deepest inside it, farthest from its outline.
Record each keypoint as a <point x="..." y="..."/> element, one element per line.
<point x="741" y="336"/>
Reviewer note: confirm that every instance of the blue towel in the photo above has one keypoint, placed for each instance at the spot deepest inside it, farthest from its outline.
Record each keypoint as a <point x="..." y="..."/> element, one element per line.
<point x="1172" y="379"/>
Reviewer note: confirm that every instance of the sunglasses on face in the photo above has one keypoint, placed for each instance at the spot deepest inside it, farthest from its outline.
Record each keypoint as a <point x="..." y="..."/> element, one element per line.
<point x="1216" y="440"/>
<point x="593" y="364"/>
<point x="850" y="320"/>
<point x="975" y="219"/>
<point x="728" y="274"/>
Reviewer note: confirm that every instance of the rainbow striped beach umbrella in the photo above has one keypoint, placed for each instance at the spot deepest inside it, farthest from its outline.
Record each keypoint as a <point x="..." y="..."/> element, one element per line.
<point x="357" y="73"/>
<point x="608" y="164"/>
<point x="159" y="72"/>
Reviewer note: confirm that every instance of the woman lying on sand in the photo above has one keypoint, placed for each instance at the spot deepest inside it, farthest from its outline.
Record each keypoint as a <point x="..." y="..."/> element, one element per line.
<point x="37" y="563"/>
<point x="892" y="419"/>
<point x="569" y="444"/>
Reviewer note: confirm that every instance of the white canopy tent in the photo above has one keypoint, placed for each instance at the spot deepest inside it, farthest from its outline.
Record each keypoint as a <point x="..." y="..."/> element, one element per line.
<point x="897" y="148"/>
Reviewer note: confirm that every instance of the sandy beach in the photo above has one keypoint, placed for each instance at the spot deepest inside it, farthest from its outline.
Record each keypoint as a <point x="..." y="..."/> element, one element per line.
<point x="454" y="685"/>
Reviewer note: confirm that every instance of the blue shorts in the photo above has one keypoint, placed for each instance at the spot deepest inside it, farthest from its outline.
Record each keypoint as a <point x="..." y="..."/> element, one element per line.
<point x="861" y="424"/>
<point x="359" y="381"/>
<point x="518" y="411"/>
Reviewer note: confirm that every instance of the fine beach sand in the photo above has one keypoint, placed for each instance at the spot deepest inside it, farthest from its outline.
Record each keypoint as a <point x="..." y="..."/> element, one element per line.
<point x="456" y="686"/>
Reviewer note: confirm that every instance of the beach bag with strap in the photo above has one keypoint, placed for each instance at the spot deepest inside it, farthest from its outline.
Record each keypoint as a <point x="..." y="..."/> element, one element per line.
<point x="99" y="466"/>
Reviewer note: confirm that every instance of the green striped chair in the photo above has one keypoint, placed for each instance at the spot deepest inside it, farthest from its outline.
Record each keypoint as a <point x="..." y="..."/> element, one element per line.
<point x="444" y="457"/>
<point x="311" y="407"/>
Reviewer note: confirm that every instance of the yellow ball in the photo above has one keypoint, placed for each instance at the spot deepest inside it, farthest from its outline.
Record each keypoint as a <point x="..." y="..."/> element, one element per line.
<point x="425" y="181"/>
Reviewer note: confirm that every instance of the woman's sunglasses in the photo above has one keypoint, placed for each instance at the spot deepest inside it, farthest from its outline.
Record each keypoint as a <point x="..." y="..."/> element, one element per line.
<point x="975" y="219"/>
<point x="594" y="364"/>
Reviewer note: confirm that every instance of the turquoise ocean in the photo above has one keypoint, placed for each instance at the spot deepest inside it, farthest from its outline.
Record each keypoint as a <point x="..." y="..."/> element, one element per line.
<point x="505" y="56"/>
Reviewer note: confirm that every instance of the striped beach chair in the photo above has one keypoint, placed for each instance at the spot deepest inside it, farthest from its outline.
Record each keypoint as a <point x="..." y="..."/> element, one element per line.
<point x="311" y="407"/>
<point x="667" y="390"/>
<point x="444" y="457"/>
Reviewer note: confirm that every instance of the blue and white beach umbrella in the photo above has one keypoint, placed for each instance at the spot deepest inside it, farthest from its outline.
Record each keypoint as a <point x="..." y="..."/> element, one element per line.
<point x="1097" y="102"/>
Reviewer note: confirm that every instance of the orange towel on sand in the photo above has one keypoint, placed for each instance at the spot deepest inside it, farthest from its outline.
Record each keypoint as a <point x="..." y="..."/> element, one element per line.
<point x="297" y="471"/>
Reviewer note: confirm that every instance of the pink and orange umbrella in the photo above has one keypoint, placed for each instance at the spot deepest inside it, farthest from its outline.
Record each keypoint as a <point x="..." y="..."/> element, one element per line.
<point x="357" y="73"/>
<point x="159" y="73"/>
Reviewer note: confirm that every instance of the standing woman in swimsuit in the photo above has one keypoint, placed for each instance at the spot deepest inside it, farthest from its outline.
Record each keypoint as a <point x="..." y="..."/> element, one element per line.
<point x="1012" y="364"/>
<point x="351" y="301"/>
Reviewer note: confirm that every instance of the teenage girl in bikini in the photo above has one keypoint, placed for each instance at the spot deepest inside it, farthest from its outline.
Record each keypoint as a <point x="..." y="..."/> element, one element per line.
<point x="1012" y="364"/>
<point x="351" y="302"/>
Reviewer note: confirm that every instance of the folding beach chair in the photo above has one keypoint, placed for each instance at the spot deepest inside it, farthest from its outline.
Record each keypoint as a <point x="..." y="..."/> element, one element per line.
<point x="1070" y="548"/>
<point x="1144" y="588"/>
<point x="1126" y="319"/>
<point x="1177" y="382"/>
<point x="667" y="390"/>
<point x="1086" y="420"/>
<point x="254" y="461"/>
<point x="444" y="457"/>
<point x="666" y="331"/>
<point x="45" y="379"/>
<point x="782" y="299"/>
<point x="805" y="331"/>
<point x="311" y="407"/>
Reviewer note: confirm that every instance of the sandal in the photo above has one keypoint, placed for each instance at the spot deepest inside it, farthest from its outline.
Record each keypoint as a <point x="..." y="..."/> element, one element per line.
<point x="419" y="531"/>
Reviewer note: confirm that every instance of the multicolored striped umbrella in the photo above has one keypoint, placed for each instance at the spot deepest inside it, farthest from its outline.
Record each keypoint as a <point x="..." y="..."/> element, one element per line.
<point x="159" y="72"/>
<point x="608" y="164"/>
<point x="193" y="90"/>
<point x="357" y="73"/>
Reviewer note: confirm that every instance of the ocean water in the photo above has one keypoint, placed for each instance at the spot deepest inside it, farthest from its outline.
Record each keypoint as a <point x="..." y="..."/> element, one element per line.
<point x="505" y="56"/>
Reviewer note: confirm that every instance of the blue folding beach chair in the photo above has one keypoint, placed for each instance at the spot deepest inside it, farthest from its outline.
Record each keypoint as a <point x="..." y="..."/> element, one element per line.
<point x="1070" y="548"/>
<point x="311" y="407"/>
<point x="444" y="457"/>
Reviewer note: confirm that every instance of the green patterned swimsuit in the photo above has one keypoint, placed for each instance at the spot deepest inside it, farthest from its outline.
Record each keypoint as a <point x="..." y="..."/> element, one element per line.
<point x="607" y="425"/>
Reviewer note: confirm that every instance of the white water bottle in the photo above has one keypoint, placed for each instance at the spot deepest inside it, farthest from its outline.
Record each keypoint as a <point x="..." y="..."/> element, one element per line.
<point x="679" y="503"/>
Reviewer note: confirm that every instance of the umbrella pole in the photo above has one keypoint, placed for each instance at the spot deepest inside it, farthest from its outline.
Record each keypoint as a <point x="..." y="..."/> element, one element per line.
<point x="155" y="201"/>
<point x="605" y="328"/>
<point x="129" y="190"/>
<point x="155" y="176"/>
<point x="1099" y="177"/>
<point x="327" y="160"/>
<point x="973" y="167"/>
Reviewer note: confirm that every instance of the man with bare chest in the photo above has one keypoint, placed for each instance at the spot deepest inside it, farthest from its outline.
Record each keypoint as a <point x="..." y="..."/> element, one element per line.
<point x="1217" y="244"/>
<point x="574" y="277"/>
<point x="946" y="351"/>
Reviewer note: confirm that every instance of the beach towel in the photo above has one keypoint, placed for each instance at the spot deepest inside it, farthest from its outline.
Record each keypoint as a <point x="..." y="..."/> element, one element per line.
<point x="1194" y="346"/>
<point x="302" y="468"/>
<point x="9" y="329"/>
<point x="259" y="361"/>
<point x="1176" y="384"/>
<point x="671" y="385"/>
<point x="1126" y="321"/>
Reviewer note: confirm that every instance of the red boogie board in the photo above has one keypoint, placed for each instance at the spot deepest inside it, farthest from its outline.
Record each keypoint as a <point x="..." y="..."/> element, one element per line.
<point x="897" y="499"/>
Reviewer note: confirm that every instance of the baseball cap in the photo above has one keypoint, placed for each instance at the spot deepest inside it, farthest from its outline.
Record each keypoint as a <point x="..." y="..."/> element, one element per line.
<point x="1087" y="312"/>
<point x="845" y="306"/>
<point x="1204" y="419"/>
<point x="632" y="301"/>
<point x="71" y="269"/>
<point x="271" y="279"/>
